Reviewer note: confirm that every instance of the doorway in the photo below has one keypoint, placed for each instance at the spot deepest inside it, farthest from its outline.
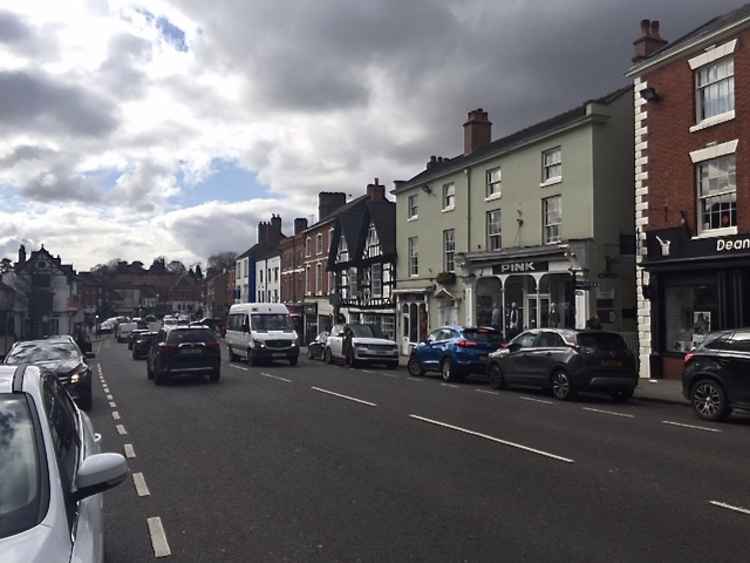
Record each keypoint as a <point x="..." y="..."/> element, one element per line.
<point x="537" y="307"/>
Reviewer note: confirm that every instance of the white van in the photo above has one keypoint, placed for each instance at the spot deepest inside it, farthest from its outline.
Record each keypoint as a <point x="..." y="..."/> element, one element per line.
<point x="261" y="331"/>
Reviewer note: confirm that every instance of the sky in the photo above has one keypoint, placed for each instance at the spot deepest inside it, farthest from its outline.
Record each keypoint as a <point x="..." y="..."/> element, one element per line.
<point x="137" y="129"/>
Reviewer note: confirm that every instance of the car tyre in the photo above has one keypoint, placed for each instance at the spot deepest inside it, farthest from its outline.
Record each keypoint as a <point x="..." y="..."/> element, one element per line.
<point x="622" y="395"/>
<point x="232" y="355"/>
<point x="709" y="400"/>
<point x="495" y="374"/>
<point x="293" y="361"/>
<point x="215" y="376"/>
<point x="414" y="367"/>
<point x="447" y="371"/>
<point x="160" y="378"/>
<point x="562" y="386"/>
<point x="392" y="365"/>
<point x="328" y="356"/>
<point x="310" y="353"/>
<point x="351" y="360"/>
<point x="252" y="361"/>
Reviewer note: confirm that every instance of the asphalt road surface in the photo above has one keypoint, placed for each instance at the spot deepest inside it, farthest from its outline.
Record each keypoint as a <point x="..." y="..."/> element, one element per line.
<point x="326" y="463"/>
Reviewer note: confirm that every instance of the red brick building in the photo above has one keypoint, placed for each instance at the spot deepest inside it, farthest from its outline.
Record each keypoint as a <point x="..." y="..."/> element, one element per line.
<point x="692" y="186"/>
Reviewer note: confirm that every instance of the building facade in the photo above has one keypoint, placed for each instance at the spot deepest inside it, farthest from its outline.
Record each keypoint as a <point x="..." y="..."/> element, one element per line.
<point x="530" y="230"/>
<point x="268" y="276"/>
<point x="692" y="185"/>
<point x="269" y="239"/>
<point x="292" y="286"/>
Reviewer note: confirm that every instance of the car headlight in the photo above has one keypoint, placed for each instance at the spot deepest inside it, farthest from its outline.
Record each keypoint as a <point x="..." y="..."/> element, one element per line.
<point x="75" y="378"/>
<point x="259" y="344"/>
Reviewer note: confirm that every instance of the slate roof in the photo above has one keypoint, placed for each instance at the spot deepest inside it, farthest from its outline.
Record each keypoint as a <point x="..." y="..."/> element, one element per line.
<point x="510" y="141"/>
<point x="354" y="222"/>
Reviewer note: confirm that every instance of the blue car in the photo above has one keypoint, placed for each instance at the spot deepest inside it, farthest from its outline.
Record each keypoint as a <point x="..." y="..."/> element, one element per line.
<point x="454" y="351"/>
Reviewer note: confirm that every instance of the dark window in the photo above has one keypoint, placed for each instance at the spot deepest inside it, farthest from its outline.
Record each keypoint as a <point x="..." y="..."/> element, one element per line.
<point x="550" y="340"/>
<point x="627" y="245"/>
<point x="483" y="336"/>
<point x="719" y="341"/>
<point x="366" y="331"/>
<point x="191" y="335"/>
<point x="601" y="341"/>
<point x="525" y="340"/>
<point x="266" y="322"/>
<point x="436" y="334"/>
<point x="22" y="491"/>
<point x="741" y="341"/>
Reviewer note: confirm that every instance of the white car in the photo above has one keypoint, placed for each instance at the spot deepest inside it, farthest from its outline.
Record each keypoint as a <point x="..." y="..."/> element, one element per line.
<point x="357" y="343"/>
<point x="52" y="473"/>
<point x="124" y="329"/>
<point x="260" y="332"/>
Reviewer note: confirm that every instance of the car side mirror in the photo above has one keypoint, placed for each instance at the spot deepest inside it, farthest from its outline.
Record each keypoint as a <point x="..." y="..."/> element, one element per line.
<point x="99" y="473"/>
<point x="90" y="355"/>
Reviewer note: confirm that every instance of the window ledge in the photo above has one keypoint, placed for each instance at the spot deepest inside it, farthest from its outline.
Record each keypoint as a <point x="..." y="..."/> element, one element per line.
<point x="413" y="276"/>
<point x="493" y="197"/>
<point x="713" y="120"/>
<point x="551" y="182"/>
<point x="447" y="209"/>
<point x="412" y="218"/>
<point x="716" y="233"/>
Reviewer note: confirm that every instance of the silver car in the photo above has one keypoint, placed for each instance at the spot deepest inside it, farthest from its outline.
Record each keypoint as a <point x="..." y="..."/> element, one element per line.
<point x="52" y="473"/>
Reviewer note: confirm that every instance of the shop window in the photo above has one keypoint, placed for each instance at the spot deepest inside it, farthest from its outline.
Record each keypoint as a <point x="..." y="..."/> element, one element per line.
<point x="690" y="313"/>
<point x="717" y="193"/>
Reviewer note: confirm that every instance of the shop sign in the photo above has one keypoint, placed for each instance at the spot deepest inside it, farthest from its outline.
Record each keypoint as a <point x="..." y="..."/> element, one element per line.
<point x="676" y="244"/>
<point x="521" y="267"/>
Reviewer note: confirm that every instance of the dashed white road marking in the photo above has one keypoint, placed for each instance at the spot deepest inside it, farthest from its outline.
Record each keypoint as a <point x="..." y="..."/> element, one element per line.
<point x="129" y="451"/>
<point x="692" y="426"/>
<point x="121" y="430"/>
<point x="140" y="485"/>
<point x="451" y="385"/>
<point x="493" y="439"/>
<point x="110" y="397"/>
<point x="367" y="371"/>
<point x="417" y="379"/>
<point x="116" y="415"/>
<point x="486" y="392"/>
<point x="347" y="397"/>
<point x="278" y="377"/>
<point x="543" y="401"/>
<point x="729" y="507"/>
<point x="238" y="367"/>
<point x="112" y="405"/>
<point x="158" y="537"/>
<point x="613" y="413"/>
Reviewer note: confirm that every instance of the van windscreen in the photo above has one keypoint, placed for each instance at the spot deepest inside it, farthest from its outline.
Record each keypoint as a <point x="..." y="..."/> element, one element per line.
<point x="267" y="322"/>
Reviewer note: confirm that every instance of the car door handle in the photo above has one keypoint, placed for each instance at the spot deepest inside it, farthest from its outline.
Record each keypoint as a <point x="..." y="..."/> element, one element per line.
<point x="97" y="437"/>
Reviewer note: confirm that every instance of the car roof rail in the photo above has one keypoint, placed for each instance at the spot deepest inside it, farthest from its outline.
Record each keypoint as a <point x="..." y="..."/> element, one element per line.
<point x="18" y="378"/>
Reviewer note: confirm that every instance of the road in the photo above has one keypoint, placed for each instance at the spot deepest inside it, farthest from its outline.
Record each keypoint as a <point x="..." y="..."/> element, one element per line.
<point x="327" y="463"/>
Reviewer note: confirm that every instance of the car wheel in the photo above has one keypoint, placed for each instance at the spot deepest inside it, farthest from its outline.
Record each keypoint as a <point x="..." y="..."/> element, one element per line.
<point x="85" y="401"/>
<point x="709" y="400"/>
<point x="414" y="367"/>
<point x="562" y="387"/>
<point x="310" y="353"/>
<point x="232" y="355"/>
<point x="293" y="361"/>
<point x="622" y="395"/>
<point x="392" y="365"/>
<point x="328" y="356"/>
<point x="351" y="360"/>
<point x="215" y="376"/>
<point x="252" y="361"/>
<point x="447" y="371"/>
<point x="160" y="378"/>
<point x="497" y="381"/>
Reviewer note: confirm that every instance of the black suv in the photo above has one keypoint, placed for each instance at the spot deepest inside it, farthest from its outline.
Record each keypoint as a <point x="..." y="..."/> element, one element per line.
<point x="142" y="344"/>
<point x="716" y="376"/>
<point x="566" y="361"/>
<point x="184" y="350"/>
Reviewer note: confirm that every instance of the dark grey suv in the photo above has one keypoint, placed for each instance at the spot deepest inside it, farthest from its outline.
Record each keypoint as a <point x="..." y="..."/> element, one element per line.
<point x="566" y="361"/>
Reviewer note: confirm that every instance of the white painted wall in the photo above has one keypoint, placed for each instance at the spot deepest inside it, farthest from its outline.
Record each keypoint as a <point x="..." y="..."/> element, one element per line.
<point x="268" y="288"/>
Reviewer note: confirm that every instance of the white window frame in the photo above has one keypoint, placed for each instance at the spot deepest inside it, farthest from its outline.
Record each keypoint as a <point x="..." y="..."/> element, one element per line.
<point x="721" y="230"/>
<point x="548" y="165"/>
<point x="373" y="242"/>
<point x="700" y="116"/>
<point x="318" y="278"/>
<point x="307" y="279"/>
<point x="319" y="243"/>
<point x="308" y="246"/>
<point x="449" y="250"/>
<point x="413" y="256"/>
<point x="412" y="207"/>
<point x="499" y="233"/>
<point x="343" y="249"/>
<point x="547" y="225"/>
<point x="449" y="196"/>
<point x="493" y="189"/>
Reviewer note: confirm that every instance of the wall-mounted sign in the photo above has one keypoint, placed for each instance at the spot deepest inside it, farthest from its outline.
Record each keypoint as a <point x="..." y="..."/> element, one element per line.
<point x="520" y="267"/>
<point x="676" y="244"/>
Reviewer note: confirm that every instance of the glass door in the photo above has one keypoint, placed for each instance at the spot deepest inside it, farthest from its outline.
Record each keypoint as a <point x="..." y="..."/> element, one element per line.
<point x="538" y="310"/>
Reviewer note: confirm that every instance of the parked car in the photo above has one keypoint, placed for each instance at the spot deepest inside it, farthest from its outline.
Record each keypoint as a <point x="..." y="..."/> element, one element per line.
<point x="123" y="330"/>
<point x="133" y="335"/>
<point x="716" y="376"/>
<point x="261" y="332"/>
<point x="142" y="344"/>
<point x="360" y="343"/>
<point x="184" y="350"/>
<point x="61" y="357"/>
<point x="316" y="349"/>
<point x="454" y="351"/>
<point x="566" y="362"/>
<point x="50" y="502"/>
<point x="169" y="321"/>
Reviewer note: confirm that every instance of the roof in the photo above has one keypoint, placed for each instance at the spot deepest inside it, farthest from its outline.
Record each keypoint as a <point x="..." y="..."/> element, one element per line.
<point x="265" y="251"/>
<point x="701" y="32"/>
<point x="329" y="218"/>
<point x="513" y="140"/>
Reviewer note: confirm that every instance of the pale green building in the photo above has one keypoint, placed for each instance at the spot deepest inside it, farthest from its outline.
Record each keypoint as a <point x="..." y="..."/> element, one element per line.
<point x="531" y="230"/>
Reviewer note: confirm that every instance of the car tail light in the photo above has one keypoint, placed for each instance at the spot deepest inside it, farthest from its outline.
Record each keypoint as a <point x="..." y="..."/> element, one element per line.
<point x="169" y="348"/>
<point x="688" y="357"/>
<point x="463" y="343"/>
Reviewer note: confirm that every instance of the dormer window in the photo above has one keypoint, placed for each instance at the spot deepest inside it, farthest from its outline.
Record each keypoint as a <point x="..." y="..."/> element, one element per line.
<point x="373" y="242"/>
<point x="343" y="252"/>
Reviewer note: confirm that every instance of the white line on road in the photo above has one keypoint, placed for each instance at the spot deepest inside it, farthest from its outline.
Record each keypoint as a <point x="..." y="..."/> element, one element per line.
<point x="492" y="439"/>
<point x="238" y="367"/>
<point x="613" y="413"/>
<point x="544" y="402"/>
<point x="121" y="430"/>
<point x="417" y="379"/>
<point x="347" y="397"/>
<point x="129" y="451"/>
<point x="729" y="507"/>
<point x="116" y="415"/>
<point x="140" y="485"/>
<point x="158" y="537"/>
<point x="284" y="379"/>
<point x="367" y="371"/>
<point x="110" y="397"/>
<point x="112" y="405"/>
<point x="451" y="385"/>
<point x="486" y="392"/>
<point x="694" y="427"/>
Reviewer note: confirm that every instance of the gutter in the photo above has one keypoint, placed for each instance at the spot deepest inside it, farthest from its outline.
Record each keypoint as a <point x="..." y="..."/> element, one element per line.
<point x="636" y="70"/>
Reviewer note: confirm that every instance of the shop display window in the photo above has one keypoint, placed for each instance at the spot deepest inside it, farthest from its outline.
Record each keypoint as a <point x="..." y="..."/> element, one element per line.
<point x="690" y="313"/>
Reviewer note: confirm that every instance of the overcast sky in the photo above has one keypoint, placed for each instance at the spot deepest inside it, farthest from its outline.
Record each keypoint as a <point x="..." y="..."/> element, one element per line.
<point x="132" y="130"/>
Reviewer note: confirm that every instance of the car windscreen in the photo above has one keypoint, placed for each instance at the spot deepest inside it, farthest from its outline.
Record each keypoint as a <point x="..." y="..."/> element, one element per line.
<point x="179" y="336"/>
<point x="266" y="322"/>
<point x="33" y="352"/>
<point x="601" y="341"/>
<point x="483" y="336"/>
<point x="366" y="331"/>
<point x="21" y="482"/>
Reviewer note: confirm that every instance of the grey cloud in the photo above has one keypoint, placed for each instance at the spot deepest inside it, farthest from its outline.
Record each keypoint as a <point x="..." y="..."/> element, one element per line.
<point x="19" y="36"/>
<point x="59" y="184"/>
<point x="37" y="102"/>
<point x="25" y="152"/>
<point x="13" y="29"/>
<point x="120" y="72"/>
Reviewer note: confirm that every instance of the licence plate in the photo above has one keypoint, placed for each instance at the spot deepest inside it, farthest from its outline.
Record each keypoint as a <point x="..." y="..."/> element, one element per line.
<point x="278" y="355"/>
<point x="612" y="363"/>
<point x="191" y="352"/>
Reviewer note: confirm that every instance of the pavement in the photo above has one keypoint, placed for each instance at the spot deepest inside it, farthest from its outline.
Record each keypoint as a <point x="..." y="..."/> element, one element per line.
<point x="327" y="463"/>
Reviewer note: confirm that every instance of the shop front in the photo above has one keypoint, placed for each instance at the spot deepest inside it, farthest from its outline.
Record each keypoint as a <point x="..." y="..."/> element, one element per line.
<point x="696" y="286"/>
<point x="413" y="313"/>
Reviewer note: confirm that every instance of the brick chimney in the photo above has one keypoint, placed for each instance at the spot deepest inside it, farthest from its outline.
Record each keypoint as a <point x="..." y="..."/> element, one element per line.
<point x="300" y="224"/>
<point x="649" y="41"/>
<point x="262" y="232"/>
<point x="328" y="202"/>
<point x="376" y="191"/>
<point x="275" y="233"/>
<point x="477" y="131"/>
<point x="21" y="254"/>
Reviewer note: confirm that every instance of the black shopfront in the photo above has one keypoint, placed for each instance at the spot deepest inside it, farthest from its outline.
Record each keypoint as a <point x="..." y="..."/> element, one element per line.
<point x="696" y="286"/>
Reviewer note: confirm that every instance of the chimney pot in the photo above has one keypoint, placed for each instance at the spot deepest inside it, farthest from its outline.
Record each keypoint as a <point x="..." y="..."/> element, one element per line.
<point x="655" y="28"/>
<point x="477" y="131"/>
<point x="645" y="27"/>
<point x="649" y="42"/>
